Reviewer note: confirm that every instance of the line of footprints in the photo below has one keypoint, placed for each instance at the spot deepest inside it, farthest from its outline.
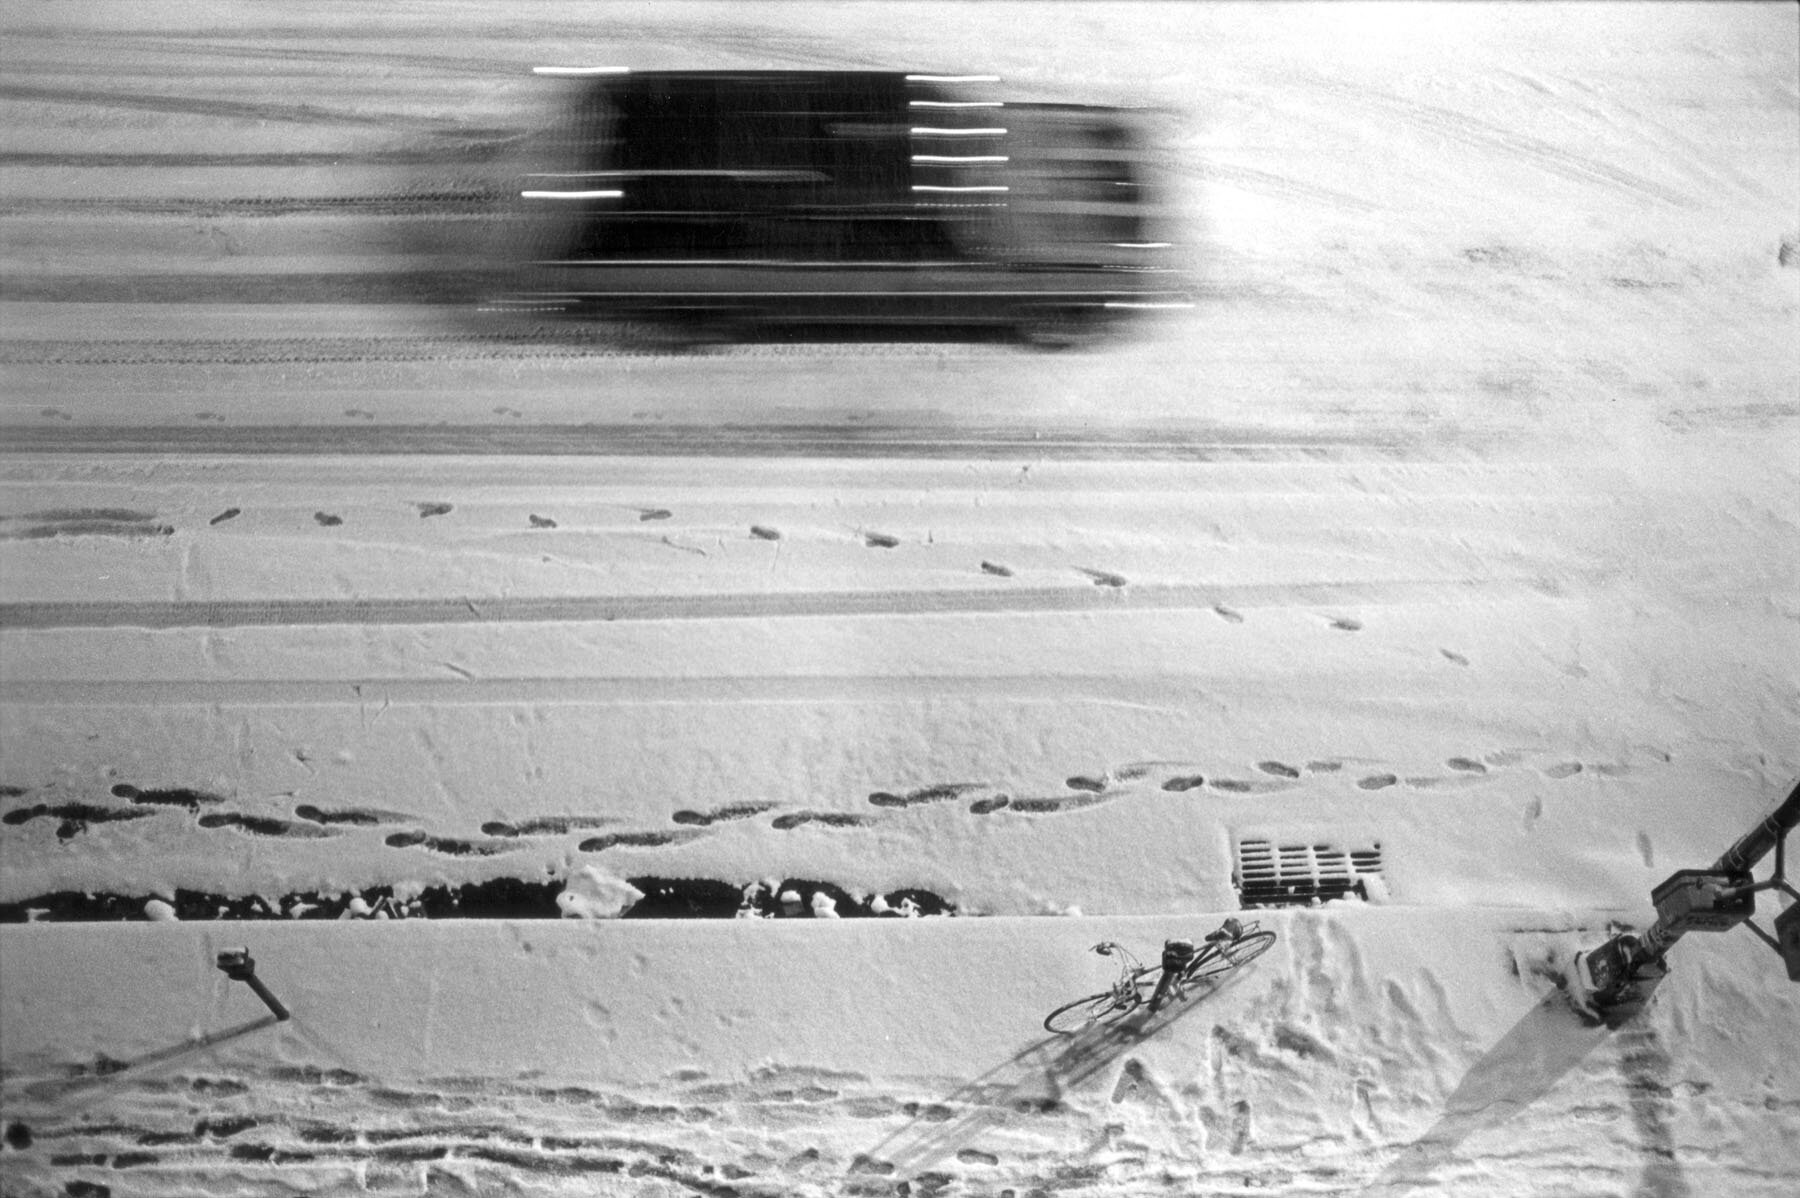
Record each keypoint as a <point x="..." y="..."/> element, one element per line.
<point x="869" y="537"/>
<point x="1083" y="790"/>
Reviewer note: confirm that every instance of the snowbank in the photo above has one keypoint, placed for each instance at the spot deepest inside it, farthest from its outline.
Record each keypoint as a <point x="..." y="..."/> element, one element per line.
<point x="1453" y="532"/>
<point x="1369" y="1044"/>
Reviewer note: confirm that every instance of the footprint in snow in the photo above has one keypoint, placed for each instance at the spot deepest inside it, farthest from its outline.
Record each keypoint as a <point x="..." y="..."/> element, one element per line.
<point x="1103" y="578"/>
<point x="1052" y="806"/>
<point x="831" y="819"/>
<point x="1378" y="782"/>
<point x="449" y="846"/>
<point x="543" y="825"/>
<point x="730" y="811"/>
<point x="178" y="796"/>
<point x="1565" y="769"/>
<point x="318" y="815"/>
<point x="256" y="825"/>
<point x="1278" y="769"/>
<point x="865" y="1163"/>
<point x="1240" y="1127"/>
<point x="925" y="794"/>
<point x="640" y="840"/>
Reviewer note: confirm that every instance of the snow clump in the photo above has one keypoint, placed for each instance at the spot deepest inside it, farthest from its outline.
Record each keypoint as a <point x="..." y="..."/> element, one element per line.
<point x="592" y="893"/>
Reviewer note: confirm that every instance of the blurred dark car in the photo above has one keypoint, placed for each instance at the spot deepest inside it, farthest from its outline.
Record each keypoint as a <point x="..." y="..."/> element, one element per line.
<point x="720" y="203"/>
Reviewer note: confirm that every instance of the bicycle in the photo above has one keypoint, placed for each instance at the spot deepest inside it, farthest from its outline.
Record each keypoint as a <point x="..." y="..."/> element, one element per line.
<point x="1234" y="944"/>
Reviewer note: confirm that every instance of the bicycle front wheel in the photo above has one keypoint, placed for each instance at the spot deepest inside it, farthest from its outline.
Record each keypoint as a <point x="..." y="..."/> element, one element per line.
<point x="1067" y="1020"/>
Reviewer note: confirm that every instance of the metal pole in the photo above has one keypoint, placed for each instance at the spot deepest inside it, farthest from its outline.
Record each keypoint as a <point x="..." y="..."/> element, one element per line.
<point x="269" y="1000"/>
<point x="1755" y="844"/>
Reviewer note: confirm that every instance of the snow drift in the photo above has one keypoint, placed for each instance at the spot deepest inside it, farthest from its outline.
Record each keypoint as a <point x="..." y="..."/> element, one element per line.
<point x="1452" y="538"/>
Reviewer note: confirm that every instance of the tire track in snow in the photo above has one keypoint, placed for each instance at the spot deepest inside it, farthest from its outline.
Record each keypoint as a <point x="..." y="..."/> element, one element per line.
<point x="230" y="110"/>
<point x="1282" y="187"/>
<point x="259" y="351"/>
<point x="488" y="690"/>
<point x="571" y="341"/>
<point x="419" y="203"/>
<point x="240" y="613"/>
<point x="139" y="54"/>
<point x="422" y="286"/>
<point x="1062" y="444"/>
<point x="456" y="151"/>
<point x="1618" y="119"/>
<point x="1486" y="136"/>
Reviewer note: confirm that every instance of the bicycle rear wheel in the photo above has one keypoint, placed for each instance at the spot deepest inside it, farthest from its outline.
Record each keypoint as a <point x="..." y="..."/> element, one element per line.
<point x="1228" y="956"/>
<point x="1246" y="949"/>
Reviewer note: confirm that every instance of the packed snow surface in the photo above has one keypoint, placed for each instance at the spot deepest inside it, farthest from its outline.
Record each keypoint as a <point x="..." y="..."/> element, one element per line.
<point x="1452" y="536"/>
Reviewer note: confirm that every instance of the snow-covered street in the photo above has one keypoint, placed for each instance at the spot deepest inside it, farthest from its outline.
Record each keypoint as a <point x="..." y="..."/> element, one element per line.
<point x="1454" y="532"/>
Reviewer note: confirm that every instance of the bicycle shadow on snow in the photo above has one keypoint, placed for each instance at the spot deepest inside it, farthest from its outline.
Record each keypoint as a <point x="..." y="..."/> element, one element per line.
<point x="1033" y="1081"/>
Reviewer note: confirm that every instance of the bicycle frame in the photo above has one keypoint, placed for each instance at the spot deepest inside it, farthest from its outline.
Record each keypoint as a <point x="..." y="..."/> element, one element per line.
<point x="1213" y="951"/>
<point x="1221" y="953"/>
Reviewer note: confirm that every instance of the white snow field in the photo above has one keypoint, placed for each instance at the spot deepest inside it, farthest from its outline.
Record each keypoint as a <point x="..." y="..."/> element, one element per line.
<point x="1454" y="535"/>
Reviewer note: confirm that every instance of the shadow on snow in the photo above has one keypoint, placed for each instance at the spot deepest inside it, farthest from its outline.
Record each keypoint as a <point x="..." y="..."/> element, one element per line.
<point x="1033" y="1081"/>
<point x="1522" y="1068"/>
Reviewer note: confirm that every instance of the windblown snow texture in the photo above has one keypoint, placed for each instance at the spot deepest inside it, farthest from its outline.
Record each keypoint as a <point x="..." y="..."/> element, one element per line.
<point x="1426" y="594"/>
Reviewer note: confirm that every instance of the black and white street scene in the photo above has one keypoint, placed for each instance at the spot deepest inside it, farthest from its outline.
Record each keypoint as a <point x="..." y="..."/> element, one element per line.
<point x="693" y="599"/>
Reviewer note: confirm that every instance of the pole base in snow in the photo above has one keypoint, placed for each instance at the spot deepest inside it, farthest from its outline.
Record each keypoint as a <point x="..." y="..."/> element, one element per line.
<point x="1612" y="983"/>
<point x="239" y="967"/>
